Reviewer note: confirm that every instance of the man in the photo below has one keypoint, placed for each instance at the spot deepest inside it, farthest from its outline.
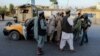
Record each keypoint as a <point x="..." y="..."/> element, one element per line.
<point x="86" y="23"/>
<point x="51" y="27"/>
<point x="62" y="14"/>
<point x="3" y="16"/>
<point x="15" y="19"/>
<point x="40" y="32"/>
<point x="77" y="26"/>
<point x="0" y="16"/>
<point x="67" y="32"/>
<point x="58" y="27"/>
<point x="76" y="19"/>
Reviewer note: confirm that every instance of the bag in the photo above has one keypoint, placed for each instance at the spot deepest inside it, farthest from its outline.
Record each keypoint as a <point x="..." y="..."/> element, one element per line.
<point x="86" y="23"/>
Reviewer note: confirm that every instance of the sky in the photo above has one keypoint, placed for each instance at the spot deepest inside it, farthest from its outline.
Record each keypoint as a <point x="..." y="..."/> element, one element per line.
<point x="62" y="3"/>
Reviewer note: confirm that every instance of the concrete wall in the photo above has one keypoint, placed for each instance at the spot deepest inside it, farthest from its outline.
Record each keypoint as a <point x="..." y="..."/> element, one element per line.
<point x="49" y="12"/>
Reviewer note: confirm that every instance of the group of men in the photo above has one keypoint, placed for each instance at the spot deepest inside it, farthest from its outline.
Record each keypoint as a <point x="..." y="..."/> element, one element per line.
<point x="62" y="29"/>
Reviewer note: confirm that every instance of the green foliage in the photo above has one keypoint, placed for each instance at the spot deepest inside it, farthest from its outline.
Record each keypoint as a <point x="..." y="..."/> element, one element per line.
<point x="3" y="10"/>
<point x="54" y="1"/>
<point x="11" y="8"/>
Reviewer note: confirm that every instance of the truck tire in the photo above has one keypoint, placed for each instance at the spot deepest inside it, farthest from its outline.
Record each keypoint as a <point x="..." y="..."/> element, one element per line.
<point x="14" y="35"/>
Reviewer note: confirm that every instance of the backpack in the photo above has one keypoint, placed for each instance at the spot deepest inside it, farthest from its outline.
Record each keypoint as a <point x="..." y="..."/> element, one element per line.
<point x="86" y="23"/>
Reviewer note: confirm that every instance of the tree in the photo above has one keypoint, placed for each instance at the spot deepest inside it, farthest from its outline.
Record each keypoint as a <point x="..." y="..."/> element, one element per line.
<point x="54" y="1"/>
<point x="11" y="8"/>
<point x="3" y="10"/>
<point x="0" y="10"/>
<point x="0" y="7"/>
<point x="5" y="7"/>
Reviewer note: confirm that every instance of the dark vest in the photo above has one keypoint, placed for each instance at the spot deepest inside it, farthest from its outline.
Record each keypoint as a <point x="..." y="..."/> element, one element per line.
<point x="66" y="27"/>
<point x="41" y="31"/>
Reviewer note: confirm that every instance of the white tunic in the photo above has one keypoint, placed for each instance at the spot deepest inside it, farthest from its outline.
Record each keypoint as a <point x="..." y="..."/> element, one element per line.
<point x="51" y="24"/>
<point x="68" y="35"/>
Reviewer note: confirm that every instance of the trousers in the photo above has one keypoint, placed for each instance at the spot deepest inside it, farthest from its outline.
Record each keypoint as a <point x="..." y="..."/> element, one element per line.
<point x="41" y="41"/>
<point x="58" y="36"/>
<point x="69" y="39"/>
<point x="84" y="38"/>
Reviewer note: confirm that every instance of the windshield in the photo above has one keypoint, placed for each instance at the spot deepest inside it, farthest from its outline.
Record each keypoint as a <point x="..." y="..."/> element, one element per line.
<point x="26" y="22"/>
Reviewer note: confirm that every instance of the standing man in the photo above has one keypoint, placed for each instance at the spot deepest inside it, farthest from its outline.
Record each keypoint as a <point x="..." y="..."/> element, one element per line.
<point x="0" y="16"/>
<point x="58" y="27"/>
<point x="62" y="14"/>
<point x="86" y="23"/>
<point x="51" y="27"/>
<point x="41" y="32"/>
<point x="15" y="19"/>
<point x="67" y="32"/>
<point x="77" y="26"/>
<point x="3" y="16"/>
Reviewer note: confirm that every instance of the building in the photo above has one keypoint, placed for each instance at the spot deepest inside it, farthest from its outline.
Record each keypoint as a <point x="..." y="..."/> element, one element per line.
<point x="95" y="12"/>
<point x="28" y="11"/>
<point x="98" y="6"/>
<point x="24" y="12"/>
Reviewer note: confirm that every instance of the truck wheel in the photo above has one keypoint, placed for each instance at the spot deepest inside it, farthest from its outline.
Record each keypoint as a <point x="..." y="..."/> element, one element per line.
<point x="14" y="35"/>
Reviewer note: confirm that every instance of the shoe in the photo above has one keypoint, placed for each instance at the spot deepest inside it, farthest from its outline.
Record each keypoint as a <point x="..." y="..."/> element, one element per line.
<point x="57" y="43"/>
<point x="39" y="51"/>
<point x="86" y="42"/>
<point x="81" y="44"/>
<point x="61" y="50"/>
<point x="72" y="51"/>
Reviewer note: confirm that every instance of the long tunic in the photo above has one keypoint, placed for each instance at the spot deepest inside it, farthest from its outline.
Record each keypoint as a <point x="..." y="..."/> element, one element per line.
<point x="41" y="39"/>
<point x="36" y="27"/>
<point x="51" y="25"/>
<point x="67" y="36"/>
<point x="58" y="27"/>
<point x="59" y="20"/>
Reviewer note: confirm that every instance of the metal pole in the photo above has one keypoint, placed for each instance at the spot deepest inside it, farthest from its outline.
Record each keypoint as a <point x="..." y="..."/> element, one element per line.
<point x="33" y="2"/>
<point x="67" y="3"/>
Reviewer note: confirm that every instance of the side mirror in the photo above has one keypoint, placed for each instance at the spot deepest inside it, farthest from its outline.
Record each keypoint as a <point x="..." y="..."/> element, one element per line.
<point x="15" y="17"/>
